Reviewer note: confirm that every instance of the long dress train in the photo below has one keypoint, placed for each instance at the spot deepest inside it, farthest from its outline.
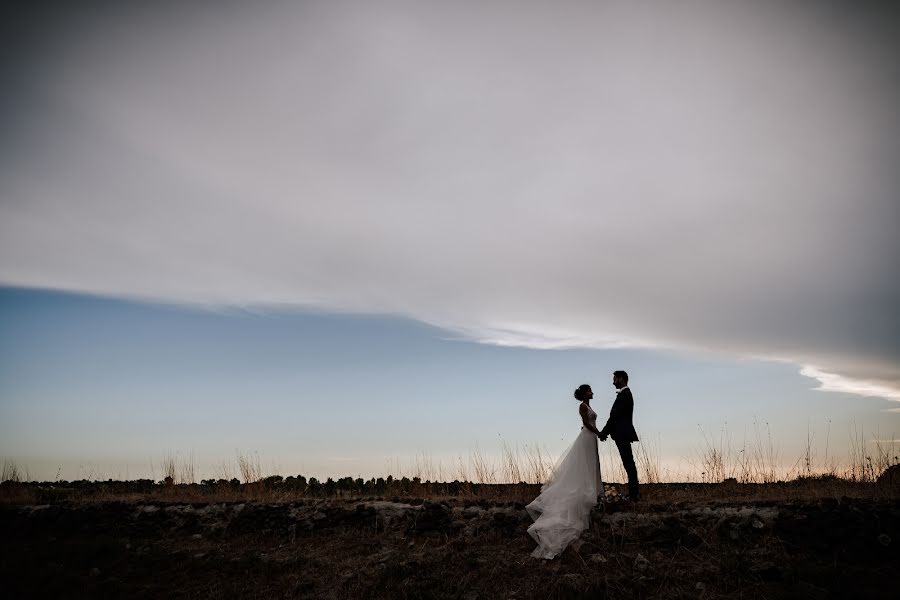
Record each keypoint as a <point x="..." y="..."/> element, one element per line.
<point x="563" y="508"/>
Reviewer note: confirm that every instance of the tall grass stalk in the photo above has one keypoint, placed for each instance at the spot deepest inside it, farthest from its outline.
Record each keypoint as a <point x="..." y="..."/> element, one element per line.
<point x="169" y="467"/>
<point x="462" y="470"/>
<point x="249" y="467"/>
<point x="647" y="459"/>
<point x="484" y="471"/>
<point x="180" y="470"/>
<point x="12" y="472"/>
<point x="537" y="464"/>
<point x="511" y="473"/>
<point x="426" y="468"/>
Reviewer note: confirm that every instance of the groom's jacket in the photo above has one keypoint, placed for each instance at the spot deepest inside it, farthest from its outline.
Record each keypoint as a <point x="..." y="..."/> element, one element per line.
<point x="620" y="425"/>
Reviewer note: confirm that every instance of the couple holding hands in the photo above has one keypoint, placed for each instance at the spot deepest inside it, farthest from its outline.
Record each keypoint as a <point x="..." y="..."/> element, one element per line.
<point x="562" y="510"/>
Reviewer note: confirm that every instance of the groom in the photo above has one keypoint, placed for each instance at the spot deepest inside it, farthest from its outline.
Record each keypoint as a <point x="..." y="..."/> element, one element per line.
<point x="621" y="428"/>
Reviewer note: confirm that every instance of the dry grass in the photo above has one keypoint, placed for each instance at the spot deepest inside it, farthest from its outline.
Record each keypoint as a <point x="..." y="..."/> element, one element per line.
<point x="249" y="466"/>
<point x="484" y="470"/>
<point x="426" y="468"/>
<point x="462" y="470"/>
<point x="748" y="472"/>
<point x="12" y="472"/>
<point x="867" y="462"/>
<point x="509" y="464"/>
<point x="755" y="461"/>
<point x="646" y="457"/>
<point x="537" y="464"/>
<point x="179" y="470"/>
<point x="758" y="460"/>
<point x="168" y="467"/>
<point x="611" y="463"/>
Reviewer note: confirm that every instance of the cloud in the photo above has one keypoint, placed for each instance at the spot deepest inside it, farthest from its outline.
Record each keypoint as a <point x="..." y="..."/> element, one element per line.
<point x="830" y="382"/>
<point x="706" y="177"/>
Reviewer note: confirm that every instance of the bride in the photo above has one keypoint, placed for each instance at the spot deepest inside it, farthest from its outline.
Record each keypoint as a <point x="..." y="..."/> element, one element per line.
<point x="562" y="510"/>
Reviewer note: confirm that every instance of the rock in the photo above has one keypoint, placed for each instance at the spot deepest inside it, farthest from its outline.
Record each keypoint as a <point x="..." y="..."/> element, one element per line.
<point x="700" y="587"/>
<point x="596" y="559"/>
<point x="890" y="476"/>
<point x="641" y="563"/>
<point x="95" y="572"/>
<point x="431" y="518"/>
<point x="472" y="511"/>
<point x="757" y="523"/>
<point x="572" y="581"/>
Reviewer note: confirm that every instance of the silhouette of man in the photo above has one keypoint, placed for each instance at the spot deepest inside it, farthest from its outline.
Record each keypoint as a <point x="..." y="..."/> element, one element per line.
<point x="621" y="428"/>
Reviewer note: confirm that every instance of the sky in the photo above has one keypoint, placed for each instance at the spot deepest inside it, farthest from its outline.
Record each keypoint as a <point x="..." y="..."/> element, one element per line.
<point x="421" y="224"/>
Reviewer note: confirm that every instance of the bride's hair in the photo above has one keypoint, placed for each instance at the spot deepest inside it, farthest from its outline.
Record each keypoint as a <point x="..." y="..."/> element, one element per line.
<point x="581" y="392"/>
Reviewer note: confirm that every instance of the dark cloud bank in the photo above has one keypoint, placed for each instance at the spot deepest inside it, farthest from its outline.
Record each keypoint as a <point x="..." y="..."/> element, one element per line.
<point x="708" y="176"/>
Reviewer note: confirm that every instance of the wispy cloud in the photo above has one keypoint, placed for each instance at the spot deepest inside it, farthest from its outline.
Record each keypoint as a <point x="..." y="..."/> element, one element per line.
<point x="831" y="382"/>
<point x="545" y="337"/>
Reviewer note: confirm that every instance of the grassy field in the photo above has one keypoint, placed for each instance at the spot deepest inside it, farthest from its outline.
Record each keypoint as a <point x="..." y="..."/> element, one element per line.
<point x="818" y="537"/>
<point x="742" y="529"/>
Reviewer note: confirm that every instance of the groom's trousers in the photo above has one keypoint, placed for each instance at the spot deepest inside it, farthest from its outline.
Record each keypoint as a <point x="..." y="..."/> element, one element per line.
<point x="630" y="468"/>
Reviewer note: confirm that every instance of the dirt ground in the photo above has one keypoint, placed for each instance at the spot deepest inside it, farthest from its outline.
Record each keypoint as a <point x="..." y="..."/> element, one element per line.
<point x="692" y="545"/>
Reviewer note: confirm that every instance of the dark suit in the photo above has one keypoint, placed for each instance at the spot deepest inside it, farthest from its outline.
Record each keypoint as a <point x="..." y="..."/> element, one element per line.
<point x="620" y="427"/>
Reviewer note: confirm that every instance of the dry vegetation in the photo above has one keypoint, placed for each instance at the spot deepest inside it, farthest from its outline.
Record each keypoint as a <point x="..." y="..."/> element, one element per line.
<point x="811" y="537"/>
<point x="743" y="529"/>
<point x="718" y="459"/>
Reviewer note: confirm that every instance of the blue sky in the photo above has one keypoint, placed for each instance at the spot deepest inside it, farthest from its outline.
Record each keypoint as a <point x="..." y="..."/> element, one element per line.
<point x="112" y="386"/>
<point x="340" y="234"/>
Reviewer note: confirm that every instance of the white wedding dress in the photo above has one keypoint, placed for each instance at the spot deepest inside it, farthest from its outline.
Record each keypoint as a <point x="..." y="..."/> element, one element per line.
<point x="563" y="508"/>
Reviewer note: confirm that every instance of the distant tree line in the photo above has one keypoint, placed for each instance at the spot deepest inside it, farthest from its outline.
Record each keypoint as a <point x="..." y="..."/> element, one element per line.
<point x="348" y="486"/>
<point x="299" y="485"/>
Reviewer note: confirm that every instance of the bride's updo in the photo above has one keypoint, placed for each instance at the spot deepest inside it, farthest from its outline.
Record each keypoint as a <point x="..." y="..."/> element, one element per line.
<point x="581" y="392"/>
